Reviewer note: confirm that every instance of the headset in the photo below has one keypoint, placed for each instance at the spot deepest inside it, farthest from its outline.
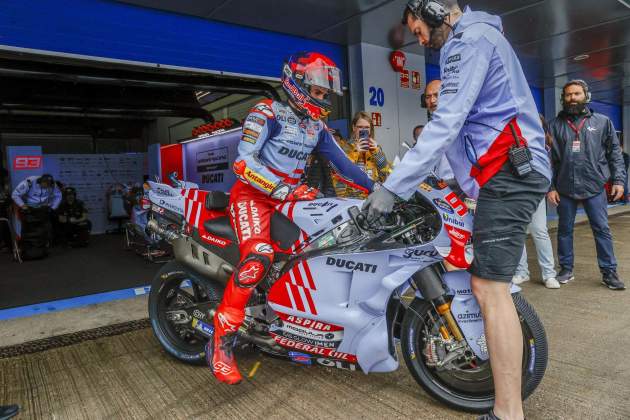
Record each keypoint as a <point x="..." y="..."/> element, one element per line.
<point x="432" y="12"/>
<point x="578" y="82"/>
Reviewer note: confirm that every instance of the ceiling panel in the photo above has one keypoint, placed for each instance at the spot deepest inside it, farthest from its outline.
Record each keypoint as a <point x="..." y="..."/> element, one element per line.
<point x="547" y="34"/>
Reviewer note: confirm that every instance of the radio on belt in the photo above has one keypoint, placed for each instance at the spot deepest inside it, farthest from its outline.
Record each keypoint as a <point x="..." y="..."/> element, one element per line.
<point x="520" y="156"/>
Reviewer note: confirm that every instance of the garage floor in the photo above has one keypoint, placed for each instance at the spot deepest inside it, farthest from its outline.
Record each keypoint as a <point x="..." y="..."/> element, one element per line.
<point x="129" y="376"/>
<point x="68" y="272"/>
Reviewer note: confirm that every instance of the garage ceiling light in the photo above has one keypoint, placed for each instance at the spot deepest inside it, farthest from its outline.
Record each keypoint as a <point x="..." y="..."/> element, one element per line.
<point x="581" y="57"/>
<point x="625" y="3"/>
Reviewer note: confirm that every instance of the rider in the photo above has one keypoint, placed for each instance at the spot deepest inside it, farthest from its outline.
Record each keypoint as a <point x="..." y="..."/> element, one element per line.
<point x="277" y="139"/>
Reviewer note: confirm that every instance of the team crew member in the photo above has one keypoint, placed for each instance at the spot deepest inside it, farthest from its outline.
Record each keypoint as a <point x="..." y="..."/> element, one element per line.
<point x="585" y="154"/>
<point x="37" y="191"/>
<point x="72" y="214"/>
<point x="365" y="153"/>
<point x="479" y="130"/>
<point x="277" y="140"/>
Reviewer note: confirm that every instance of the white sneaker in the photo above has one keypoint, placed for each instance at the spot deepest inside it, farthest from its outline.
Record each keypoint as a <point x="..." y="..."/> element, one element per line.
<point x="551" y="283"/>
<point x="519" y="278"/>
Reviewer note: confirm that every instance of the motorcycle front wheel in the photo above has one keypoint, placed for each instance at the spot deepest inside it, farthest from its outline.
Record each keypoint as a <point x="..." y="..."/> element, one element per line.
<point x="469" y="387"/>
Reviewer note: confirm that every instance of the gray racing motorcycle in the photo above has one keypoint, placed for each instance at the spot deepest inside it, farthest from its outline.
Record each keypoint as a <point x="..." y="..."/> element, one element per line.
<point x="341" y="293"/>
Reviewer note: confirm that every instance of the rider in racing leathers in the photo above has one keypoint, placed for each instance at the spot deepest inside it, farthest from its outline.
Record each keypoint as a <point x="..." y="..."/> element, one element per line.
<point x="276" y="141"/>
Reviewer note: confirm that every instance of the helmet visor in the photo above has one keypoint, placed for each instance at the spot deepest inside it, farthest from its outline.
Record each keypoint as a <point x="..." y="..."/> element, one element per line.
<point x="327" y="77"/>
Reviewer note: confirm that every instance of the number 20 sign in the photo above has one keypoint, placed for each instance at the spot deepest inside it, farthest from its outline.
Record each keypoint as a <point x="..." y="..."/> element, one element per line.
<point x="377" y="96"/>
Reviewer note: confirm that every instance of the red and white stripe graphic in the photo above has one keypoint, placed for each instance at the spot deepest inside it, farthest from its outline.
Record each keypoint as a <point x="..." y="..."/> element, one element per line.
<point x="294" y="290"/>
<point x="193" y="205"/>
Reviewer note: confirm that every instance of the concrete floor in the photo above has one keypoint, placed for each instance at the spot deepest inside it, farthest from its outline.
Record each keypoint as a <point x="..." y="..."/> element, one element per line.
<point x="587" y="378"/>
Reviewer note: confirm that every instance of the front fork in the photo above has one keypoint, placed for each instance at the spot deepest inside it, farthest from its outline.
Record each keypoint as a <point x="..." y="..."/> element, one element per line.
<point x="428" y="282"/>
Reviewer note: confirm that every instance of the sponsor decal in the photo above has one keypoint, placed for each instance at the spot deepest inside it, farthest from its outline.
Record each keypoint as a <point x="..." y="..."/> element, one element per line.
<point x="420" y="253"/>
<point x="305" y="340"/>
<point x="302" y="358"/>
<point x="157" y="209"/>
<point x="457" y="204"/>
<point x="259" y="180"/>
<point x="292" y="120"/>
<point x="337" y="364"/>
<point x="455" y="234"/>
<point x="198" y="314"/>
<point x="324" y="352"/>
<point x="293" y="154"/>
<point x="221" y="368"/>
<point x="203" y="327"/>
<point x="464" y="292"/>
<point x="290" y="130"/>
<point x="449" y="91"/>
<point x="314" y="334"/>
<point x="27" y="162"/>
<point x="164" y="191"/>
<point x="170" y="206"/>
<point x="426" y="187"/>
<point x="309" y="323"/>
<point x="264" y="109"/>
<point x="453" y="58"/>
<point x="468" y="317"/>
<point x="251" y="133"/>
<point x="212" y="178"/>
<point x="225" y="324"/>
<point x="255" y="120"/>
<point x="352" y="265"/>
<point x="263" y="248"/>
<point x="215" y="240"/>
<point x="443" y="205"/>
<point x="449" y="220"/>
<point x="247" y="212"/>
<point x="483" y="345"/>
<point x="451" y="70"/>
<point x="249" y="139"/>
<point x="251" y="273"/>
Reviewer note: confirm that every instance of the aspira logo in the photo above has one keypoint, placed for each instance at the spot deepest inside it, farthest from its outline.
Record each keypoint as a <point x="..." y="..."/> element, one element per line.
<point x="352" y="265"/>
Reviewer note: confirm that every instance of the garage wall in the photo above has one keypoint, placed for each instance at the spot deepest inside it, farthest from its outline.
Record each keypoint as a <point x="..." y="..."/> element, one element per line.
<point x="124" y="32"/>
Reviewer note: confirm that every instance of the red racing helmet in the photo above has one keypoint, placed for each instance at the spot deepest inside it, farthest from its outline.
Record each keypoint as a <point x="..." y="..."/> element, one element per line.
<point x="306" y="69"/>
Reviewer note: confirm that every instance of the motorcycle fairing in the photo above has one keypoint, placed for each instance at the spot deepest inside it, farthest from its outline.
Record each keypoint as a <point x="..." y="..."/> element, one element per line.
<point x="351" y="291"/>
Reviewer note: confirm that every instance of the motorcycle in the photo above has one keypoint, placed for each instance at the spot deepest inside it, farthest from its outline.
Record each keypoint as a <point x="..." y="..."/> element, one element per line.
<point x="341" y="292"/>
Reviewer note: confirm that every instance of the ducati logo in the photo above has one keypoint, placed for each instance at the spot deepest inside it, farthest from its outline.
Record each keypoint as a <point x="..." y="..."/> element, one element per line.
<point x="225" y="324"/>
<point x="222" y="368"/>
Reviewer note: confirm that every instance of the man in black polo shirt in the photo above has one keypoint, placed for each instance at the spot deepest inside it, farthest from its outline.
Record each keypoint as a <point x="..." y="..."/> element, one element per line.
<point x="73" y="222"/>
<point x="584" y="156"/>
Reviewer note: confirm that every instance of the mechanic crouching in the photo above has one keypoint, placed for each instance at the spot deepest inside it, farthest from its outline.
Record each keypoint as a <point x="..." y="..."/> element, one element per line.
<point x="35" y="197"/>
<point x="74" y="226"/>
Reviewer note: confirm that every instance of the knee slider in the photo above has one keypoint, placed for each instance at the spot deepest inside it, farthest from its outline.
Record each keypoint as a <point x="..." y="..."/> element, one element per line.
<point x="255" y="265"/>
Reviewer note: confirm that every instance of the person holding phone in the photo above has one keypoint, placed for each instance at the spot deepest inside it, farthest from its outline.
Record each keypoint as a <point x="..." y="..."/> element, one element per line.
<point x="361" y="149"/>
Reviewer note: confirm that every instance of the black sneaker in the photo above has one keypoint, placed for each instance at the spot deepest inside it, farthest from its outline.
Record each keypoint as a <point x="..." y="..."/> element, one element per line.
<point x="8" y="411"/>
<point x="488" y="416"/>
<point x="611" y="280"/>
<point x="565" y="276"/>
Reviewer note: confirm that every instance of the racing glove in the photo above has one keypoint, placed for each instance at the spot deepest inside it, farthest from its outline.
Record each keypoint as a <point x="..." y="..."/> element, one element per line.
<point x="303" y="192"/>
<point x="379" y="203"/>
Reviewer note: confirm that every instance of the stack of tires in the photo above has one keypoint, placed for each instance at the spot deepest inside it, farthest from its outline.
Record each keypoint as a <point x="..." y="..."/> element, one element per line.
<point x="35" y="236"/>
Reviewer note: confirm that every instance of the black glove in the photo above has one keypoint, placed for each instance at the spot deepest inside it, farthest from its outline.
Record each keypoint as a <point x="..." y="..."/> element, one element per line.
<point x="379" y="203"/>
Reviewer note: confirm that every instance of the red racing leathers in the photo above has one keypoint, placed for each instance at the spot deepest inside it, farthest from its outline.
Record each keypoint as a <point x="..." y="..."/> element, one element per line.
<point x="271" y="157"/>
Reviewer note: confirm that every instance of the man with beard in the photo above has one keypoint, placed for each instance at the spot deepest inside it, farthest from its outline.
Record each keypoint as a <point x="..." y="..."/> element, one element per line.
<point x="585" y="155"/>
<point x="487" y="124"/>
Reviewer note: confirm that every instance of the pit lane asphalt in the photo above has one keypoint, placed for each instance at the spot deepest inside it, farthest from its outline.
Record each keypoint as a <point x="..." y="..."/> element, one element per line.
<point x="129" y="376"/>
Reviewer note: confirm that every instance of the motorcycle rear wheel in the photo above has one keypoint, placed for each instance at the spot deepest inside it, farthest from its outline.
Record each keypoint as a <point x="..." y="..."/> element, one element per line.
<point x="470" y="390"/>
<point x="166" y="291"/>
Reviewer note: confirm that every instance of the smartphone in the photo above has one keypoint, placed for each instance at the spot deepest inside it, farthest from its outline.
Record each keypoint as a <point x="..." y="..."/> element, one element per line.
<point x="364" y="135"/>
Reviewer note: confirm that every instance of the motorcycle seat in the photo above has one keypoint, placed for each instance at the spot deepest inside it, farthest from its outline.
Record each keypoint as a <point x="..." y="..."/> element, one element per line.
<point x="283" y="230"/>
<point x="217" y="200"/>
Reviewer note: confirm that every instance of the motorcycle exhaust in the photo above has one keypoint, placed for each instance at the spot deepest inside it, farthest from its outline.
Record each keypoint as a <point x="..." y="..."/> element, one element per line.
<point x="168" y="234"/>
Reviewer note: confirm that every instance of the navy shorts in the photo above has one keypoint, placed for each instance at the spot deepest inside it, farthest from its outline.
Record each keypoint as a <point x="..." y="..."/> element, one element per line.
<point x="505" y="208"/>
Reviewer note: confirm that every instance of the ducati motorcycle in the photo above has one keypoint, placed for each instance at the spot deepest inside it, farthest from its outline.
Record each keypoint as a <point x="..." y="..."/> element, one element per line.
<point x="341" y="292"/>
